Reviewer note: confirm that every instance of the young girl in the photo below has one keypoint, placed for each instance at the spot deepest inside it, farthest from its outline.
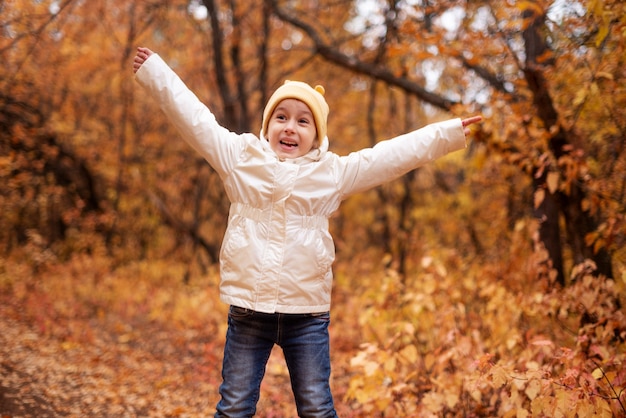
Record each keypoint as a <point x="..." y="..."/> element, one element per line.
<point x="277" y="253"/>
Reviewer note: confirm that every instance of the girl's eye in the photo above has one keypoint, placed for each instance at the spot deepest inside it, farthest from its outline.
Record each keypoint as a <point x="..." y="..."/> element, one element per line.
<point x="304" y="121"/>
<point x="280" y="117"/>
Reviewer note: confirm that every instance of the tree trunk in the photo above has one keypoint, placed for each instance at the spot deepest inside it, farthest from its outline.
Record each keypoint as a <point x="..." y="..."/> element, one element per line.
<point x="578" y="223"/>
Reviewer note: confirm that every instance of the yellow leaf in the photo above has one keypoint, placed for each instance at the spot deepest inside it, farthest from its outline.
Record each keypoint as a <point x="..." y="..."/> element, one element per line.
<point x="541" y="406"/>
<point x="511" y="342"/>
<point x="476" y="394"/>
<point x="69" y="345"/>
<point x="602" y="34"/>
<point x="429" y="360"/>
<point x="539" y="196"/>
<point x="409" y="354"/>
<point x="552" y="181"/>
<point x="499" y="376"/>
<point x="433" y="402"/>
<point x="390" y="364"/>
<point x="451" y="399"/>
<point x="383" y="403"/>
<point x="597" y="373"/>
<point x="532" y="365"/>
<point x="584" y="408"/>
<point x="604" y="74"/>
<point x="533" y="389"/>
<point x="581" y="95"/>
<point x="596" y="6"/>
<point x="361" y="360"/>
<point x="602" y="408"/>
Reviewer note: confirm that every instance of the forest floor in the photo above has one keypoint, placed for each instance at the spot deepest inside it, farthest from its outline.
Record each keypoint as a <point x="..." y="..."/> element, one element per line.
<point x="84" y="340"/>
<point x="126" y="367"/>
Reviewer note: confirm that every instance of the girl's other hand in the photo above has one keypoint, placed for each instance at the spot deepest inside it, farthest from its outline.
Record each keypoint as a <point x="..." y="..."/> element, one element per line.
<point x="141" y="57"/>
<point x="467" y="122"/>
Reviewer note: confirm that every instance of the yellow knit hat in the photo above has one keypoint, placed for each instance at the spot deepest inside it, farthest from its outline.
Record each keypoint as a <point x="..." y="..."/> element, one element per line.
<point x="312" y="97"/>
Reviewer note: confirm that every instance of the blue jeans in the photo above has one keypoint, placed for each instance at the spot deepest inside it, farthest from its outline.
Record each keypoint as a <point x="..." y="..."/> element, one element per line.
<point x="249" y="341"/>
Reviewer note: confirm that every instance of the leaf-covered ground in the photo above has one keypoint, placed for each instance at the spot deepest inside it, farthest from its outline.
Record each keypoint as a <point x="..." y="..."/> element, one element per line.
<point x="122" y="360"/>
<point x="83" y="339"/>
<point x="125" y="370"/>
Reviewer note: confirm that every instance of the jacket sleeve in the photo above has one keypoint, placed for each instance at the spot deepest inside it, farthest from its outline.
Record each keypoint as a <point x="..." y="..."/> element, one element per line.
<point x="390" y="159"/>
<point x="195" y="122"/>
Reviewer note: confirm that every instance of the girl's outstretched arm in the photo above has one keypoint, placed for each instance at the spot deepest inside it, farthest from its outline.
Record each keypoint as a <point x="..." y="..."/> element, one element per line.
<point x="467" y="122"/>
<point x="141" y="57"/>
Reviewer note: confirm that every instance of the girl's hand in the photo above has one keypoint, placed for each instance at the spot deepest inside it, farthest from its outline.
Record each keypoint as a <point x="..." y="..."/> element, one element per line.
<point x="141" y="57"/>
<point x="467" y="122"/>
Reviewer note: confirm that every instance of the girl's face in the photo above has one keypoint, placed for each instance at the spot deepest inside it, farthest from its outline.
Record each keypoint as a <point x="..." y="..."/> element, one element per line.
<point x="291" y="129"/>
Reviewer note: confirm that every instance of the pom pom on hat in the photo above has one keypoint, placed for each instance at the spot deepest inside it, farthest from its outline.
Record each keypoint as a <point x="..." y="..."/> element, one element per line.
<point x="312" y="97"/>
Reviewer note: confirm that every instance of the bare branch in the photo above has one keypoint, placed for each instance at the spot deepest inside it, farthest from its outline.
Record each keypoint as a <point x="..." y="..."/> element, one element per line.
<point x="182" y="227"/>
<point x="377" y="72"/>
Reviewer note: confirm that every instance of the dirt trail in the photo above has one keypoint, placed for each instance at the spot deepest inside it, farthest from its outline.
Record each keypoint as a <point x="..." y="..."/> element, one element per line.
<point x="122" y="370"/>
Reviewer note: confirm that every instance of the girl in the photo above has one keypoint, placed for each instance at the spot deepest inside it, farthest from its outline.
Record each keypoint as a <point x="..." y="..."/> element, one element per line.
<point x="277" y="253"/>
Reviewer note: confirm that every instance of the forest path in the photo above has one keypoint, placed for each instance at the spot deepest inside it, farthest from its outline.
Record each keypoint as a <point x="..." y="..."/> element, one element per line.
<point x="121" y="368"/>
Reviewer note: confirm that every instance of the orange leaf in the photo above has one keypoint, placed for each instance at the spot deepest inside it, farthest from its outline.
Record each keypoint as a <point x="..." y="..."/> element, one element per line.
<point x="539" y="196"/>
<point x="552" y="181"/>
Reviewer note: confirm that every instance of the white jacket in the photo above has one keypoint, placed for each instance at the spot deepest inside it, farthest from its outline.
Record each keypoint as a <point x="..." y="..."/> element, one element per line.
<point x="277" y="253"/>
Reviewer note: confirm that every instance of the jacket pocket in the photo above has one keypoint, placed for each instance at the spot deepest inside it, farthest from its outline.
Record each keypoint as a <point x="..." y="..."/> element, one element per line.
<point x="325" y="252"/>
<point x="235" y="244"/>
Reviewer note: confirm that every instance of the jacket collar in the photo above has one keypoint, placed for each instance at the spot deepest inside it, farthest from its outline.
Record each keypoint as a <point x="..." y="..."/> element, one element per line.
<point x="316" y="154"/>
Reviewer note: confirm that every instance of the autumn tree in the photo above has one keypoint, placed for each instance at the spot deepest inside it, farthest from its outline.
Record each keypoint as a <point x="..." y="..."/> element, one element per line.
<point x="110" y="221"/>
<point x="84" y="166"/>
<point x="47" y="186"/>
<point x="539" y="72"/>
<point x="511" y="62"/>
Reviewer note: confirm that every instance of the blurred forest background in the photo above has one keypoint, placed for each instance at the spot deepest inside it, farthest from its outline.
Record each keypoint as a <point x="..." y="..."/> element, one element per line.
<point x="490" y="283"/>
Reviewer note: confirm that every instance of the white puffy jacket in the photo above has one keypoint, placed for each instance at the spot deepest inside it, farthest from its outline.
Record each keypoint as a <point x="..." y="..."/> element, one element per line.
<point x="277" y="253"/>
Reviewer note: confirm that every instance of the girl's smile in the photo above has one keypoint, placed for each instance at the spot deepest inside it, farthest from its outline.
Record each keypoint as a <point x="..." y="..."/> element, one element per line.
<point x="291" y="130"/>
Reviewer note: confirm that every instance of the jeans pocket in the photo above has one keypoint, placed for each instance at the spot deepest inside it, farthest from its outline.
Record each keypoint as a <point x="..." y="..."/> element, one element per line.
<point x="237" y="312"/>
<point x="322" y="316"/>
